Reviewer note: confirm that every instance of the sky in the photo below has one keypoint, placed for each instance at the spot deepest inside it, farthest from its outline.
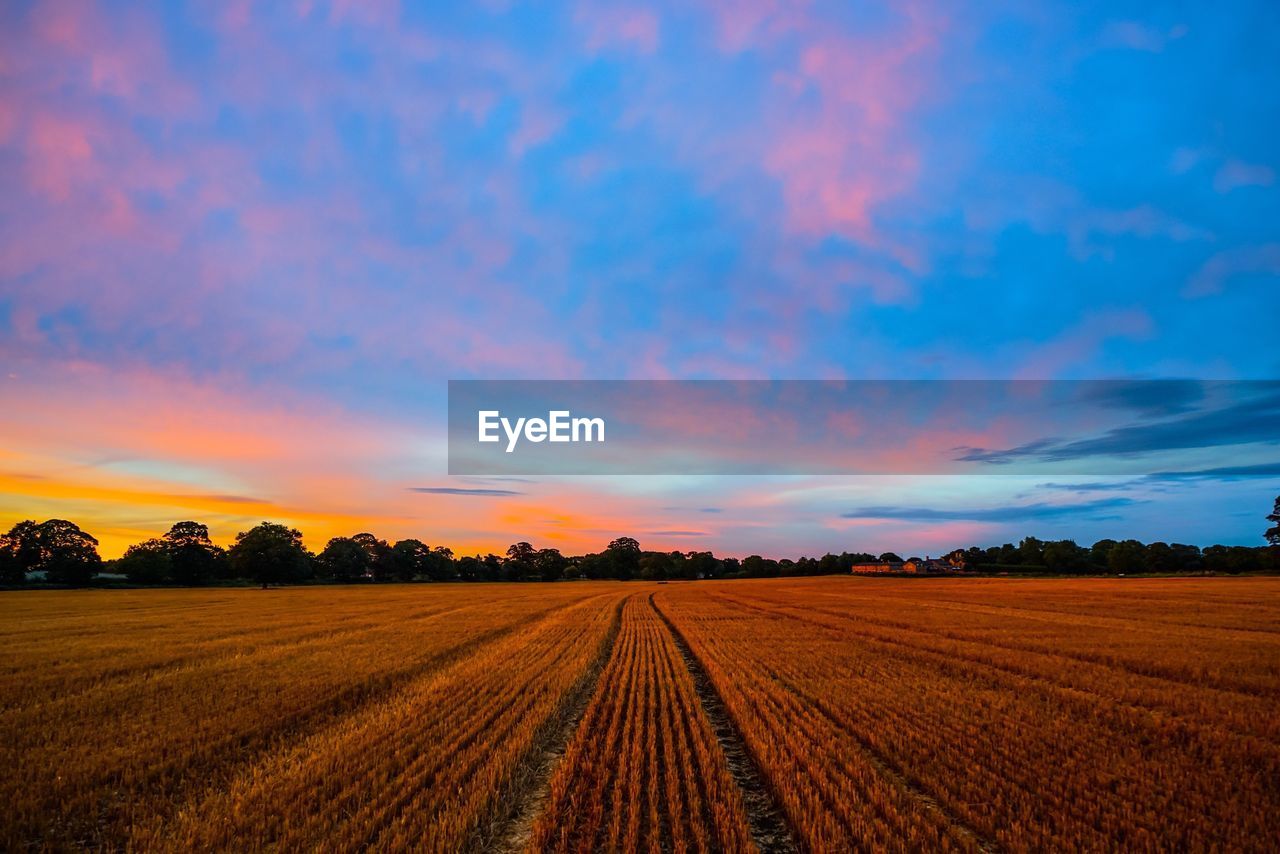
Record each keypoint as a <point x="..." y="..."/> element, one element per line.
<point x="244" y="246"/>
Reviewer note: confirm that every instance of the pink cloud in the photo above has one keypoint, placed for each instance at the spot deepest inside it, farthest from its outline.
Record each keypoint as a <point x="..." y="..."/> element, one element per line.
<point x="1077" y="345"/>
<point x="1235" y="174"/>
<point x="537" y="125"/>
<point x="611" y="26"/>
<point x="837" y="125"/>
<point x="1224" y="266"/>
<point x="121" y="54"/>
<point x="741" y="25"/>
<point x="1136" y="35"/>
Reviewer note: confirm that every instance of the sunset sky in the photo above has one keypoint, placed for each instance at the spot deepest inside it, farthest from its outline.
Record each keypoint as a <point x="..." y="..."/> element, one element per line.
<point x="244" y="246"/>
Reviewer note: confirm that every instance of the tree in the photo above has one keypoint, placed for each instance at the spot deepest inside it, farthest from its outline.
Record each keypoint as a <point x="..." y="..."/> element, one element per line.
<point x="1159" y="558"/>
<point x="194" y="557"/>
<point x="595" y="566"/>
<point x="440" y="564"/>
<point x="755" y="566"/>
<point x="150" y="562"/>
<point x="409" y="559"/>
<point x="270" y="554"/>
<point x="67" y="554"/>
<point x="20" y="552"/>
<point x="1065" y="556"/>
<point x="11" y="572"/>
<point x="1273" y="533"/>
<point x="703" y="565"/>
<point x="1185" y="558"/>
<point x="1232" y="559"/>
<point x="550" y="564"/>
<point x="1101" y="552"/>
<point x="890" y="557"/>
<point x="490" y="568"/>
<point x="624" y="558"/>
<point x="654" y="566"/>
<point x="1031" y="552"/>
<point x="380" y="563"/>
<point x="344" y="560"/>
<point x="470" y="568"/>
<point x="1127" y="556"/>
<point x="520" y="563"/>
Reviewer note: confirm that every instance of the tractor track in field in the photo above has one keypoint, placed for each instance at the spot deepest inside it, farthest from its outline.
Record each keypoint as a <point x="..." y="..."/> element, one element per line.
<point x="765" y="818"/>
<point x="511" y="826"/>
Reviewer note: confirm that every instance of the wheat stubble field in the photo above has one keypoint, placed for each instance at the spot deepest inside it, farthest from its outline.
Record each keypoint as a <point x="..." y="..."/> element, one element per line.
<point x="825" y="714"/>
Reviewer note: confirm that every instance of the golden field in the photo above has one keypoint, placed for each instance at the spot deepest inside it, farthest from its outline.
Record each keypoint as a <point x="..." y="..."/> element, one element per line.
<point x="823" y="714"/>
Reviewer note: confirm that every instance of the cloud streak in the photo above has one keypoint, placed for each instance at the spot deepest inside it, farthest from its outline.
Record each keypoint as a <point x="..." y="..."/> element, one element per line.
<point x="454" y="490"/>
<point x="1019" y="513"/>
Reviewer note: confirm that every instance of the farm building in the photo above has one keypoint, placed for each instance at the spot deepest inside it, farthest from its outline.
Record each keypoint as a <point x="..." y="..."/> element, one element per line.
<point x="914" y="566"/>
<point x="876" y="567"/>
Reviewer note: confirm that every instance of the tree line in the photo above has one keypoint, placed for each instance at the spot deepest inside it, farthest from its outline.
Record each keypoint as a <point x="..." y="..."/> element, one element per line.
<point x="59" y="552"/>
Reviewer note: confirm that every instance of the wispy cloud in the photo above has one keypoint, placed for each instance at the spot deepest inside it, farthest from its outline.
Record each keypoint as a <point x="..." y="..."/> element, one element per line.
<point x="1222" y="472"/>
<point x="1018" y="513"/>
<point x="454" y="490"/>
<point x="1249" y="421"/>
<point x="1093" y="486"/>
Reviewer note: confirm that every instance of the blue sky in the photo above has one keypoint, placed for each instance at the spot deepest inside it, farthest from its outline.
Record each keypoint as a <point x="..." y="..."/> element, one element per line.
<point x="244" y="247"/>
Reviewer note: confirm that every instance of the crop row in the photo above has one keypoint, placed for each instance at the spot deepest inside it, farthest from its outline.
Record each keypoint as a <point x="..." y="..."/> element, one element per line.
<point x="644" y="772"/>
<point x="92" y="758"/>
<point x="876" y="734"/>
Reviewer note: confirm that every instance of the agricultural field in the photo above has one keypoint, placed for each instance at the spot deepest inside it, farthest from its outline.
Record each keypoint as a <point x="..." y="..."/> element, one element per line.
<point x="819" y="714"/>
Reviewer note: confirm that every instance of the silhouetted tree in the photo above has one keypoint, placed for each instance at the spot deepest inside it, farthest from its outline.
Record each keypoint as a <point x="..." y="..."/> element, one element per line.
<point x="688" y="566"/>
<point x="1273" y="533"/>
<point x="1127" y="556"/>
<point x="195" y="559"/>
<point x="20" y="552"/>
<point x="441" y="565"/>
<point x="67" y="554"/>
<point x="520" y="564"/>
<point x="1031" y="552"/>
<point x="380" y="563"/>
<point x="550" y="564"/>
<point x="270" y="554"/>
<point x="1158" y="558"/>
<point x="594" y="566"/>
<point x="755" y="566"/>
<point x="344" y="560"/>
<point x="11" y="571"/>
<point x="470" y="568"/>
<point x="1185" y="558"/>
<point x="409" y="559"/>
<point x="890" y="557"/>
<point x="624" y="558"/>
<point x="1100" y="553"/>
<point x="1232" y="559"/>
<point x="150" y="562"/>
<point x="490" y="568"/>
<point x="1064" y="556"/>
